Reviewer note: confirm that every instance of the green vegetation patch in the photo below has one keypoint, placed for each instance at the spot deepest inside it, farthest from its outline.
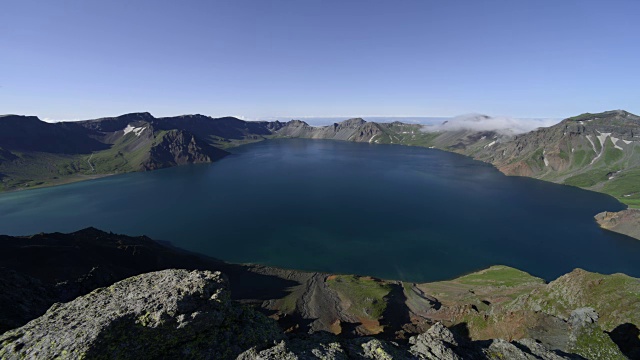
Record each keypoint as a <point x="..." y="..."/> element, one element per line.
<point x="592" y="343"/>
<point x="500" y="276"/>
<point x="589" y="178"/>
<point x="581" y="117"/>
<point x="582" y="157"/>
<point x="611" y="154"/>
<point x="625" y="186"/>
<point x="615" y="297"/>
<point x="536" y="160"/>
<point x="365" y="294"/>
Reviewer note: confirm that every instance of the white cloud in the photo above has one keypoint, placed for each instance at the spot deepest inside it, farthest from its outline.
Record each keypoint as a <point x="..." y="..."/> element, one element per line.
<point x="501" y="124"/>
<point x="50" y="120"/>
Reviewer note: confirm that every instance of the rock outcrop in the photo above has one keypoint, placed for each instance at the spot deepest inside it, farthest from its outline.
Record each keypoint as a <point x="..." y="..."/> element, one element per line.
<point x="625" y="222"/>
<point x="177" y="147"/>
<point x="167" y="314"/>
<point x="437" y="343"/>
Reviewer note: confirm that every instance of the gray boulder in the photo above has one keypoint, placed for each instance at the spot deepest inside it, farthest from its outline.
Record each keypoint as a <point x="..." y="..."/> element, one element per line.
<point x="165" y="314"/>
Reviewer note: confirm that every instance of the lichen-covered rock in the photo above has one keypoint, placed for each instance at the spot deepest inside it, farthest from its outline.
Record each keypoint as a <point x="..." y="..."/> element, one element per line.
<point x="525" y="349"/>
<point x="164" y="314"/>
<point x="436" y="343"/>
<point x="588" y="339"/>
<point x="316" y="346"/>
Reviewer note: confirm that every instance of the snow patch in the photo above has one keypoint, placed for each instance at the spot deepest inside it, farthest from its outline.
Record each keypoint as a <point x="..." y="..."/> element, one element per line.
<point x="602" y="138"/>
<point x="135" y="130"/>
<point x="546" y="162"/>
<point x="489" y="144"/>
<point x="615" y="140"/>
<point x="594" y="150"/>
<point x="627" y="142"/>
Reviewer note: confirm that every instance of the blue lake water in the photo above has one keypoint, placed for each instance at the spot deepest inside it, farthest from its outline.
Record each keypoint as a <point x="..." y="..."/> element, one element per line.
<point x="389" y="211"/>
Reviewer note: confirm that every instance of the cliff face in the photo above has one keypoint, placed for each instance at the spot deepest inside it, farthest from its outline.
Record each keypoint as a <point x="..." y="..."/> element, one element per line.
<point x="350" y="130"/>
<point x="177" y="147"/>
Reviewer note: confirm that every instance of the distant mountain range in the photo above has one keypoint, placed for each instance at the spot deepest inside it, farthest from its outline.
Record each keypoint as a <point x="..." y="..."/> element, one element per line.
<point x="592" y="151"/>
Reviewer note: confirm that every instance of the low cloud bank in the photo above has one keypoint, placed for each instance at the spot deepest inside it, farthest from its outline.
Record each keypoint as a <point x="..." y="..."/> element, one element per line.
<point x="478" y="122"/>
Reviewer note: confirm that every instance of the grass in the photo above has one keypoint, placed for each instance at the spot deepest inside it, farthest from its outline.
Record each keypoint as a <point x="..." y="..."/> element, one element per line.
<point x="625" y="183"/>
<point x="581" y="159"/>
<point x="499" y="276"/>
<point x="615" y="297"/>
<point x="589" y="178"/>
<point x="536" y="160"/>
<point x="581" y="117"/>
<point x="366" y="295"/>
<point x="612" y="155"/>
<point x="592" y="343"/>
<point x="32" y="170"/>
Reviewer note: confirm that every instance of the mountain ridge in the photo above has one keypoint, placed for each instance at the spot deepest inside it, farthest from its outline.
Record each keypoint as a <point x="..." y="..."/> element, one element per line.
<point x="597" y="152"/>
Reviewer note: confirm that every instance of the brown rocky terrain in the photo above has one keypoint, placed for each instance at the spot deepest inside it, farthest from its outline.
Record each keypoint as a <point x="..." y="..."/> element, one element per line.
<point x="624" y="222"/>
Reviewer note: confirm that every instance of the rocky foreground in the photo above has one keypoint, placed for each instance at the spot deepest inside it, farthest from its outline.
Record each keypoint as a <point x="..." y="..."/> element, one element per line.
<point x="181" y="314"/>
<point x="78" y="293"/>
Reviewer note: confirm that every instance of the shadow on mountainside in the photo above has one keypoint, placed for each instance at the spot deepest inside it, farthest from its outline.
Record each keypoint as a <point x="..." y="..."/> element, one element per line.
<point x="396" y="314"/>
<point x="627" y="337"/>
<point x="60" y="267"/>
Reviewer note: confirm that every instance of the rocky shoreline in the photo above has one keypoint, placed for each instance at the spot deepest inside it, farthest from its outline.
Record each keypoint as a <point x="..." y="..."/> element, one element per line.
<point x="625" y="222"/>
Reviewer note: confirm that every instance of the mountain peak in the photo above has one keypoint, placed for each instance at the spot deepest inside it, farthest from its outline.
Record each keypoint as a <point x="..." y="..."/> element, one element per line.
<point x="15" y="118"/>
<point x="611" y="114"/>
<point x="352" y="122"/>
<point x="137" y="116"/>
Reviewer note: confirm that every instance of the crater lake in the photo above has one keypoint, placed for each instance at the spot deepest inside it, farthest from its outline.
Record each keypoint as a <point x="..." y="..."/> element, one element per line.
<point x="394" y="212"/>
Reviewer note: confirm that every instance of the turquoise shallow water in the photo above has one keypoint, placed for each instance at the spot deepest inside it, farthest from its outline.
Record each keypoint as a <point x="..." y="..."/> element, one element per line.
<point x="382" y="210"/>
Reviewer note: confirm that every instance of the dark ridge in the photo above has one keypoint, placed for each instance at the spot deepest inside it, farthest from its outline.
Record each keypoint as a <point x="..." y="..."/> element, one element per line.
<point x="28" y="133"/>
<point x="111" y="124"/>
<point x="40" y="270"/>
<point x="206" y="127"/>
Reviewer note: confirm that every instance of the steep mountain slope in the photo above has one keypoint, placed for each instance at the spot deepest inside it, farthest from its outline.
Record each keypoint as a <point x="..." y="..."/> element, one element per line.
<point x="467" y="142"/>
<point x="223" y="132"/>
<point x="593" y="151"/>
<point x="29" y="134"/>
<point x="34" y="153"/>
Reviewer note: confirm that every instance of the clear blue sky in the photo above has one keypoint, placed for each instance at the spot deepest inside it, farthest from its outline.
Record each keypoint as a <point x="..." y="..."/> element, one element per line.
<point x="543" y="58"/>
